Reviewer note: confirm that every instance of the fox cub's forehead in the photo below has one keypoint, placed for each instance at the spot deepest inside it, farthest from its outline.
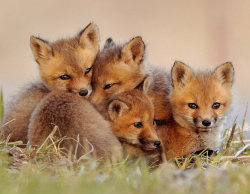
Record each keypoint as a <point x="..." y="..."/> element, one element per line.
<point x="205" y="88"/>
<point x="108" y="57"/>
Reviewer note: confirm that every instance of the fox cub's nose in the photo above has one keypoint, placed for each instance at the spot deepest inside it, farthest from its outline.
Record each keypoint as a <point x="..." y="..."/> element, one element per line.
<point x="206" y="123"/>
<point x="157" y="143"/>
<point x="83" y="92"/>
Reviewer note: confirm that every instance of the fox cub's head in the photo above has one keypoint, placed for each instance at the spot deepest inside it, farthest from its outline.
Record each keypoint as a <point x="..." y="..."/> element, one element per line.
<point x="117" y="69"/>
<point x="132" y="118"/>
<point x="67" y="64"/>
<point x="200" y="100"/>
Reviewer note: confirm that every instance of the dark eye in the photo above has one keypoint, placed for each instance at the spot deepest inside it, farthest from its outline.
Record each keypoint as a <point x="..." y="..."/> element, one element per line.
<point x="138" y="125"/>
<point x="193" y="105"/>
<point x="154" y="122"/>
<point x="88" y="70"/>
<point x="216" y="105"/>
<point x="108" y="86"/>
<point x="65" y="77"/>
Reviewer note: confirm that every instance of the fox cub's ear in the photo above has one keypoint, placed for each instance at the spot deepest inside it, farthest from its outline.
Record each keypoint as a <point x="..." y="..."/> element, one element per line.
<point x="109" y="43"/>
<point x="134" y="50"/>
<point x="89" y="37"/>
<point x="225" y="73"/>
<point x="180" y="74"/>
<point x="145" y="85"/>
<point x="41" y="49"/>
<point x="117" y="108"/>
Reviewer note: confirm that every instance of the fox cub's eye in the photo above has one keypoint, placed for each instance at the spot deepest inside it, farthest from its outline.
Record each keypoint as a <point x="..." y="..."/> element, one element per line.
<point x="216" y="105"/>
<point x="65" y="77"/>
<point x="88" y="70"/>
<point x="138" y="125"/>
<point x="192" y="105"/>
<point x="108" y="86"/>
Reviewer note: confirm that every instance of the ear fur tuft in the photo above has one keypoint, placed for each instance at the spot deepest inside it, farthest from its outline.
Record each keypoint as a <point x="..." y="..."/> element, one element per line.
<point x="134" y="50"/>
<point x="117" y="108"/>
<point x="225" y="74"/>
<point x="89" y="37"/>
<point x="41" y="49"/>
<point x="180" y="74"/>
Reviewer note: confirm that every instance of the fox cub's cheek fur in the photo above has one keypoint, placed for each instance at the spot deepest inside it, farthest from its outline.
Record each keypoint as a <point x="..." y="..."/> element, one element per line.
<point x="67" y="64"/>
<point x="201" y="100"/>
<point x="132" y="119"/>
<point x="118" y="69"/>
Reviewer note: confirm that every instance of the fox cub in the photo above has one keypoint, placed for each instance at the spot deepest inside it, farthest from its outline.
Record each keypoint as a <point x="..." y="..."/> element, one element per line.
<point x="131" y="116"/>
<point x="120" y="68"/>
<point x="117" y="69"/>
<point x="64" y="64"/>
<point x="199" y="103"/>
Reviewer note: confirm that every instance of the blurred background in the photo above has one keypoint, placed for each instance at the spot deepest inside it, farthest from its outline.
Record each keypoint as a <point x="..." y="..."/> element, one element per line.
<point x="201" y="33"/>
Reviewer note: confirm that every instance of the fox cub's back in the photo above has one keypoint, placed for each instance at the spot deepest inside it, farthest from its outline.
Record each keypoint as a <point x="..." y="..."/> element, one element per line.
<point x="82" y="126"/>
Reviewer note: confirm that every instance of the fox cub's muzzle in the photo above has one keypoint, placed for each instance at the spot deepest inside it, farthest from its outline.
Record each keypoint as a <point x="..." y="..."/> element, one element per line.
<point x="149" y="144"/>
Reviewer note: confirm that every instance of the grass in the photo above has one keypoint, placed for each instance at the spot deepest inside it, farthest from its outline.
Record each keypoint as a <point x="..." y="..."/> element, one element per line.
<point x="46" y="170"/>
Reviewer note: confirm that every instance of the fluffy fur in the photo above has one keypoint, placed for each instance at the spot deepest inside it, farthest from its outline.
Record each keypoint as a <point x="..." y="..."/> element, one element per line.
<point x="199" y="103"/>
<point x="65" y="64"/>
<point x="122" y="68"/>
<point x="118" y="69"/>
<point x="75" y="117"/>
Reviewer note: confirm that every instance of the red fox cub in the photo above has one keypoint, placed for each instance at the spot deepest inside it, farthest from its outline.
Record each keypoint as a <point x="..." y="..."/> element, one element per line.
<point x="199" y="103"/>
<point x="131" y="116"/>
<point x="117" y="69"/>
<point x="64" y="64"/>
<point x="121" y="68"/>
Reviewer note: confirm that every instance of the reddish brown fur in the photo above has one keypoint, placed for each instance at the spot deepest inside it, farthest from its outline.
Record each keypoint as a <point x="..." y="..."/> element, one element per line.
<point x="68" y="56"/>
<point x="74" y="117"/>
<point x="127" y="108"/>
<point x="159" y="94"/>
<point x="17" y="117"/>
<point x="185" y="133"/>
<point x="112" y="66"/>
<point x="121" y="66"/>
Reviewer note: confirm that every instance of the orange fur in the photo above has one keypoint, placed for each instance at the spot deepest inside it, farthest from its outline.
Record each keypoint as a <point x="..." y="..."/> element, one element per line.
<point x="125" y="111"/>
<point x="67" y="57"/>
<point x="195" y="126"/>
<point x="124" y="68"/>
<point x="120" y="67"/>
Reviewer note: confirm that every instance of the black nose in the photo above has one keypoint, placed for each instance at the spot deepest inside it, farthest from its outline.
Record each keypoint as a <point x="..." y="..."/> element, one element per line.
<point x="83" y="92"/>
<point x="142" y="140"/>
<point x="206" y="122"/>
<point x="157" y="143"/>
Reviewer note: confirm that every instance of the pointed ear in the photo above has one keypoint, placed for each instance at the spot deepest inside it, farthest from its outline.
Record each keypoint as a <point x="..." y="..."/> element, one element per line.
<point x="89" y="37"/>
<point x="41" y="49"/>
<point x="109" y="43"/>
<point x="180" y="74"/>
<point x="145" y="85"/>
<point x="134" y="50"/>
<point x="116" y="108"/>
<point x="225" y="74"/>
